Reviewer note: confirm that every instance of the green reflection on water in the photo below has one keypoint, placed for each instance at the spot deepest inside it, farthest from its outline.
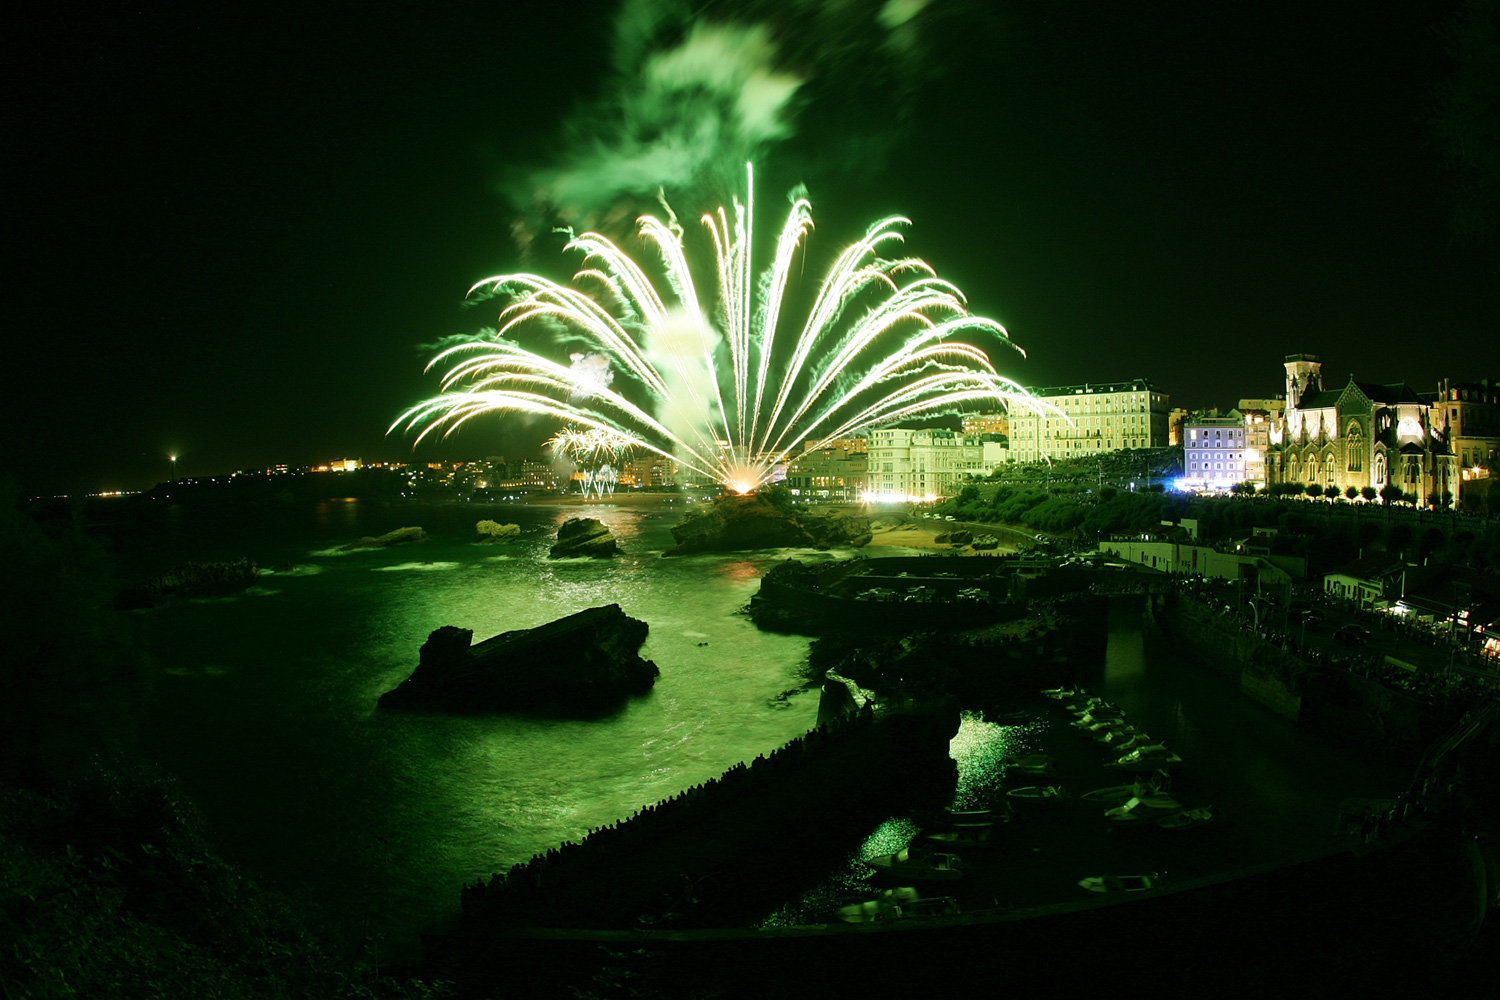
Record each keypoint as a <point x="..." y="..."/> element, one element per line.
<point x="850" y="880"/>
<point x="982" y="750"/>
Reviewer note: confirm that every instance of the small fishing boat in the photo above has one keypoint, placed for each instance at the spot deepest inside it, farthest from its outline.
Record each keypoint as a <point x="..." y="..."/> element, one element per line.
<point x="1062" y="693"/>
<point x="1035" y="765"/>
<point x="951" y="819"/>
<point x="1037" y="793"/>
<point x="1148" y="758"/>
<point x="961" y="838"/>
<point x="1141" y="809"/>
<point x="1113" y="795"/>
<point x="917" y="866"/>
<point x="1097" y="714"/>
<point x="1135" y="741"/>
<point x="1186" y="818"/>
<point x="1116" y="734"/>
<point x="885" y="906"/>
<point x="1119" y="883"/>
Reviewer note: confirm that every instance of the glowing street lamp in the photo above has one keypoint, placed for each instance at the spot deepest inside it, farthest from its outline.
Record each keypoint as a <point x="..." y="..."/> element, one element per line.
<point x="173" y="459"/>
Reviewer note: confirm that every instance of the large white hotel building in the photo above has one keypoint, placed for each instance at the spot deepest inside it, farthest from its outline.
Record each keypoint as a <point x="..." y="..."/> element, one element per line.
<point x="1089" y="419"/>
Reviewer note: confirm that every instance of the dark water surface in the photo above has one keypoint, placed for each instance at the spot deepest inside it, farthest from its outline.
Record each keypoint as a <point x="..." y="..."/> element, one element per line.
<point x="1274" y="788"/>
<point x="265" y="709"/>
<point x="265" y="703"/>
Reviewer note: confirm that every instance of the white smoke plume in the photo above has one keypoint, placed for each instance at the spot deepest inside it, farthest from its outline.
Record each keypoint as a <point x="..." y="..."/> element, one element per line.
<point x="676" y="349"/>
<point x="700" y="87"/>
<point x="593" y="370"/>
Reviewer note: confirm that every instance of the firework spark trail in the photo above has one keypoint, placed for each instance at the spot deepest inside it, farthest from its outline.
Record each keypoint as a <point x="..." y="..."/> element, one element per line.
<point x="594" y="452"/>
<point x="839" y="375"/>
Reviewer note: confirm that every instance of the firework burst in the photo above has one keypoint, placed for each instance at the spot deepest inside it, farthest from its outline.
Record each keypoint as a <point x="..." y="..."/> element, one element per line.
<point x="727" y="391"/>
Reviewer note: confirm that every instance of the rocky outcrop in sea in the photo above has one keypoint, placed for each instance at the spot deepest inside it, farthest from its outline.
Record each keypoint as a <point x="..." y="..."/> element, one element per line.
<point x="494" y="532"/>
<point x="586" y="664"/>
<point x="398" y="537"/>
<point x="754" y="521"/>
<point x="583" y="536"/>
<point x="190" y="580"/>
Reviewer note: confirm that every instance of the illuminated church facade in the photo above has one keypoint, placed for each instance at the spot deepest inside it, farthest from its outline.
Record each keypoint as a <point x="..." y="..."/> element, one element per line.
<point x="1364" y="434"/>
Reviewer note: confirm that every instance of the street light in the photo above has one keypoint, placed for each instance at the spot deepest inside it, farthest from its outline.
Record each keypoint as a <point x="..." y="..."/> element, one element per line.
<point x="173" y="459"/>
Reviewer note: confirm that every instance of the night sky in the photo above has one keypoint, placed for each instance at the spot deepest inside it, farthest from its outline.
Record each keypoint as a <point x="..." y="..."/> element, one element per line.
<point x="232" y="227"/>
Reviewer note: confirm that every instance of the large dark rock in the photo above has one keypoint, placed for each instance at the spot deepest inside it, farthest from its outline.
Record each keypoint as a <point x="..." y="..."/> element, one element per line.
<point x="583" y="536"/>
<point x="584" y="664"/>
<point x="754" y="521"/>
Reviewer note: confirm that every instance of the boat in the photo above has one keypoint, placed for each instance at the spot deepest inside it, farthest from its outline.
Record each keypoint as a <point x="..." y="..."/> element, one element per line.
<point x="1090" y="724"/>
<point x="1036" y="764"/>
<point x="1147" y="758"/>
<point x="1032" y="760"/>
<point x="1186" y="818"/>
<point x="1098" y="715"/>
<point x="1113" y="795"/>
<point x="879" y="910"/>
<point x="1140" y="809"/>
<point x="918" y="866"/>
<point x="950" y="819"/>
<point x="886" y="906"/>
<point x="961" y="838"/>
<point x="1036" y="793"/>
<point x="1135" y="741"/>
<point x="1062" y="693"/>
<point x="1119" y="734"/>
<point x="1120" y="883"/>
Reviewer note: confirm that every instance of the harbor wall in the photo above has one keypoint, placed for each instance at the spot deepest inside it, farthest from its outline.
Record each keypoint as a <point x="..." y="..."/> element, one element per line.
<point x="1395" y="917"/>
<point x="728" y="850"/>
<point x="1331" y="699"/>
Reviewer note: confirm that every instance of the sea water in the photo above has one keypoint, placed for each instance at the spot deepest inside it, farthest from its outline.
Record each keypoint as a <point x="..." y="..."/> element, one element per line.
<point x="265" y="703"/>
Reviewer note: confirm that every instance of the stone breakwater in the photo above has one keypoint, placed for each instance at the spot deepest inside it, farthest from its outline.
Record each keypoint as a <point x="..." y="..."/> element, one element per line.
<point x="728" y="851"/>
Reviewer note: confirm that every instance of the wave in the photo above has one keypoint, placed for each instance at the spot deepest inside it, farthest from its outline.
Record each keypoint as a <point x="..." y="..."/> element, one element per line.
<point x="417" y="566"/>
<point x="301" y="569"/>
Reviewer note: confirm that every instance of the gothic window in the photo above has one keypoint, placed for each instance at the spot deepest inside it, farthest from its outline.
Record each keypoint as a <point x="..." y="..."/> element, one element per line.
<point x="1329" y="466"/>
<point x="1354" y="448"/>
<point x="1379" y="467"/>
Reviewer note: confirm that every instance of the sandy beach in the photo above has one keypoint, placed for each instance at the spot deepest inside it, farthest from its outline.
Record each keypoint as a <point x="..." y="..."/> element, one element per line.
<point x="908" y="538"/>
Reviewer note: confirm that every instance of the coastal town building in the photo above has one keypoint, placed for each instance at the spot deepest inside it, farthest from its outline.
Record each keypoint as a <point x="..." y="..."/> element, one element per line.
<point x="1176" y="416"/>
<point x="648" y="470"/>
<point x="1259" y="415"/>
<point x="1473" y="413"/>
<point x="979" y="424"/>
<point x="1365" y="434"/>
<point x="833" y="473"/>
<point x="929" y="462"/>
<point x="1213" y="452"/>
<point x="1088" y="419"/>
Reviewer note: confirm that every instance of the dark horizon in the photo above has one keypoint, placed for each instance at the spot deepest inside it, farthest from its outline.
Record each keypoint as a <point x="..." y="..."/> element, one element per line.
<point x="236" y="228"/>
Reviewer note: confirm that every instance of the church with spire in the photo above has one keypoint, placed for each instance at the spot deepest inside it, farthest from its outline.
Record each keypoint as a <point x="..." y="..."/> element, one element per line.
<point x="1362" y="435"/>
